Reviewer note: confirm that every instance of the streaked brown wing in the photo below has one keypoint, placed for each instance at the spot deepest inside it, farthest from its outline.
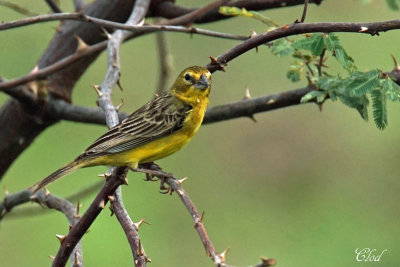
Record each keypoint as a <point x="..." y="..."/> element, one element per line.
<point x="158" y="118"/>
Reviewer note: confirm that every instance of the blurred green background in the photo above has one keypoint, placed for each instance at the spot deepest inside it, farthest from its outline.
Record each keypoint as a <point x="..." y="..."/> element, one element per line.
<point x="302" y="186"/>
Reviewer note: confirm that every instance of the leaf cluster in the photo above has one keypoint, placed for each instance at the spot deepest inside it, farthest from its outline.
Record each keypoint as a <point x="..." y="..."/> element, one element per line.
<point x="354" y="90"/>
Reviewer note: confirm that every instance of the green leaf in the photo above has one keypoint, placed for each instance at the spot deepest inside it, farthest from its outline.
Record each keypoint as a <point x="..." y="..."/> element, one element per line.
<point x="359" y="103"/>
<point x="312" y="95"/>
<point x="363" y="83"/>
<point x="391" y="89"/>
<point x="332" y="44"/>
<point x="282" y="48"/>
<point x="318" y="46"/>
<point x="315" y="43"/>
<point x="393" y="4"/>
<point x="295" y="72"/>
<point x="379" y="110"/>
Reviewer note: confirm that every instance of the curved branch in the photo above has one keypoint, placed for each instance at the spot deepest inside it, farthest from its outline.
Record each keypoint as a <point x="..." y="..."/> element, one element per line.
<point x="50" y="201"/>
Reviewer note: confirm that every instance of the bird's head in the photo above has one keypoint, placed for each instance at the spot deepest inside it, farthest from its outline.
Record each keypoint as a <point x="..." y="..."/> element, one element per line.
<point x="192" y="85"/>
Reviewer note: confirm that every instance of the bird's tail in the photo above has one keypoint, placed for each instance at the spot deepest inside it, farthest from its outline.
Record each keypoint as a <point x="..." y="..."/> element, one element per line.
<point x="67" y="169"/>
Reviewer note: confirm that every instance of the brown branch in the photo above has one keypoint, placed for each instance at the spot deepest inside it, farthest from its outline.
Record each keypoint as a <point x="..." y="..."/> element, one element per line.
<point x="53" y="6"/>
<point x="372" y="28"/>
<point x="51" y="201"/>
<point x="176" y="185"/>
<point x="188" y="18"/>
<point x="80" y="228"/>
<point x="303" y="16"/>
<point x="167" y="9"/>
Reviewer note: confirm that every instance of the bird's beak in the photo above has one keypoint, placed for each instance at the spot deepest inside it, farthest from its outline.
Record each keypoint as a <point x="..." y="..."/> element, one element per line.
<point x="202" y="83"/>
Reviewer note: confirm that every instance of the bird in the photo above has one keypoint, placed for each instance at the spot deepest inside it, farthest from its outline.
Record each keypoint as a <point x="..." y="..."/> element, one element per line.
<point x="154" y="131"/>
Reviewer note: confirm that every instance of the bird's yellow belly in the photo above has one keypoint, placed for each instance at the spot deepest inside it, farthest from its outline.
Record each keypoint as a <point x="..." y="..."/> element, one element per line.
<point x="152" y="151"/>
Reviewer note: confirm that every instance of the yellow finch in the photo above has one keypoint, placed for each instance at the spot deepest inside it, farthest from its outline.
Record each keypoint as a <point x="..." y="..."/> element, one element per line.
<point x="154" y="131"/>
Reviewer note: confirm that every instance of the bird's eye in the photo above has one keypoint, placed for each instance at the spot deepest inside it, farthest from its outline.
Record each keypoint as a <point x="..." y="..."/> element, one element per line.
<point x="187" y="77"/>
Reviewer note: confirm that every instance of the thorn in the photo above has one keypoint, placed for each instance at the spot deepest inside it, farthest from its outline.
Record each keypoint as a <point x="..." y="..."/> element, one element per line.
<point x="181" y="180"/>
<point x="97" y="89"/>
<point x="111" y="198"/>
<point x="125" y="181"/>
<point x="102" y="204"/>
<point x="105" y="175"/>
<point x="202" y="216"/>
<point x="76" y="260"/>
<point x="139" y="223"/>
<point x="61" y="238"/>
<point x="141" y="23"/>
<point x="156" y="95"/>
<point x="254" y="34"/>
<point x="180" y="192"/>
<point x="33" y="198"/>
<point x="119" y="83"/>
<point x="247" y="94"/>
<point x="112" y="211"/>
<point x="148" y="259"/>
<point x="309" y="80"/>
<point x="223" y="254"/>
<point x="6" y="191"/>
<point x="252" y="117"/>
<point x="76" y="215"/>
<point x="214" y="61"/>
<point x="52" y="258"/>
<point x="363" y="29"/>
<point x="120" y="105"/>
<point x="81" y="44"/>
<point x="268" y="262"/>
<point x="396" y="64"/>
<point x="46" y="192"/>
<point x="106" y="33"/>
<point x="139" y="249"/>
<point x="320" y="106"/>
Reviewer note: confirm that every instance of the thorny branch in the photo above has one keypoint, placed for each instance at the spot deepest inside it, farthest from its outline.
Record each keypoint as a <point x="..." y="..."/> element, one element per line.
<point x="118" y="174"/>
<point x="50" y="201"/>
<point x="176" y="185"/>
<point x="372" y="28"/>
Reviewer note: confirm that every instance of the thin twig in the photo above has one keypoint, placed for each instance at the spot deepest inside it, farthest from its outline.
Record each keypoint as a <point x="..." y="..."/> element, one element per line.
<point x="321" y="62"/>
<point x="17" y="8"/>
<point x="53" y="6"/>
<point x="192" y="16"/>
<point x="164" y="60"/>
<point x="303" y="16"/>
